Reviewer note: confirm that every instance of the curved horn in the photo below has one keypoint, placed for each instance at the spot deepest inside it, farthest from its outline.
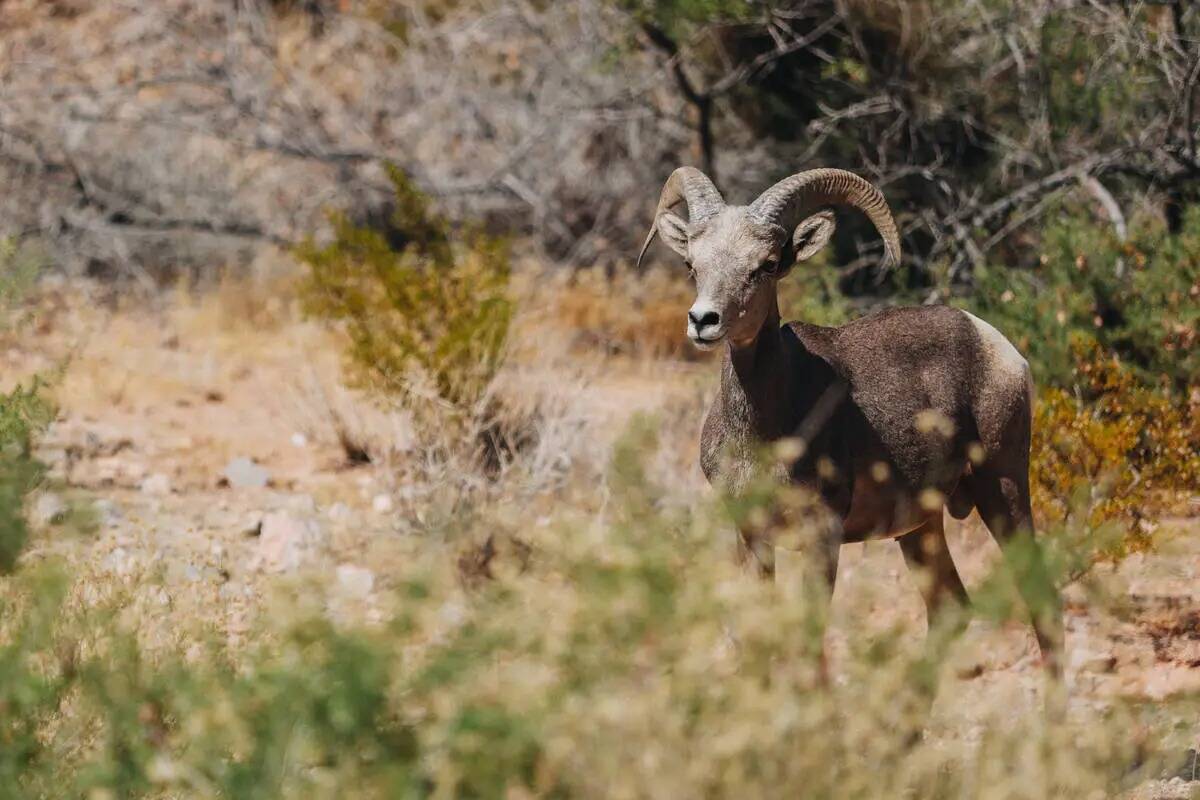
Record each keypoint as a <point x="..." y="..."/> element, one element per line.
<point x="792" y="199"/>
<point x="690" y="185"/>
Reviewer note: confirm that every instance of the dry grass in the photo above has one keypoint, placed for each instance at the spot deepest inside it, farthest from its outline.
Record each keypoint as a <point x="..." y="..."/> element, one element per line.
<point x="620" y="312"/>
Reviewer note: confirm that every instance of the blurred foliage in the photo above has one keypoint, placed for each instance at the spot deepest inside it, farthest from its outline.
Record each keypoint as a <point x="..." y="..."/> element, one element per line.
<point x="810" y="293"/>
<point x="1108" y="452"/>
<point x="624" y="312"/>
<point x="415" y="300"/>
<point x="20" y="264"/>
<point x="23" y="412"/>
<point x="632" y="659"/>
<point x="1138" y="299"/>
<point x="675" y="16"/>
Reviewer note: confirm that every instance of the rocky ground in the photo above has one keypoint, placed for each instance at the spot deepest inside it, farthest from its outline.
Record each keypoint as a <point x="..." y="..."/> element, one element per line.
<point x="199" y="464"/>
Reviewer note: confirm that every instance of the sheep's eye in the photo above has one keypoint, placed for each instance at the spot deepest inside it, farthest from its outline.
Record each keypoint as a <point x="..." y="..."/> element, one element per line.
<point x="769" y="267"/>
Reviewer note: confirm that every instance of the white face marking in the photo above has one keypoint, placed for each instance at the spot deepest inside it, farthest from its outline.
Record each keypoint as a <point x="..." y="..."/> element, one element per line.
<point x="1002" y="356"/>
<point x="732" y="297"/>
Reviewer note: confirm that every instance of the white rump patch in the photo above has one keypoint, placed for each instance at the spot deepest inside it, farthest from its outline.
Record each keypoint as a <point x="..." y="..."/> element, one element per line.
<point x="1003" y="358"/>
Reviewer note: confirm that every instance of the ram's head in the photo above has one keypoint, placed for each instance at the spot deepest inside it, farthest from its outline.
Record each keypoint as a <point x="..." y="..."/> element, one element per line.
<point x="737" y="253"/>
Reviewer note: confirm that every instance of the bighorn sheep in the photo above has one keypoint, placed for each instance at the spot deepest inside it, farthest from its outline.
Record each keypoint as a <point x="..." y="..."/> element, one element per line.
<point x="900" y="413"/>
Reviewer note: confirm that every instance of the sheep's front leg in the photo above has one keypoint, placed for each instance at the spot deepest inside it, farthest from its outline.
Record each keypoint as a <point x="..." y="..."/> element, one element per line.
<point x="808" y="574"/>
<point x="811" y="562"/>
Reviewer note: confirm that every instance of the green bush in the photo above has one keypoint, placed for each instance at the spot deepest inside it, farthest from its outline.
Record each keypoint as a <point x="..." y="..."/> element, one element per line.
<point x="1139" y="300"/>
<point x="421" y="307"/>
<point x="23" y="411"/>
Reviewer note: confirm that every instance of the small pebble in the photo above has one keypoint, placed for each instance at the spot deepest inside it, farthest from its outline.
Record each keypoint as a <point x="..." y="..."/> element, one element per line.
<point x="355" y="581"/>
<point x="158" y="483"/>
<point x="49" y="509"/>
<point x="242" y="473"/>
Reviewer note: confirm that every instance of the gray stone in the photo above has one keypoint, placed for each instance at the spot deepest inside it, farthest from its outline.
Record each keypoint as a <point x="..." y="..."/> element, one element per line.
<point x="108" y="513"/>
<point x="49" y="509"/>
<point x="119" y="561"/>
<point x="158" y="483"/>
<point x="286" y="542"/>
<point x="355" y="581"/>
<point x="242" y="473"/>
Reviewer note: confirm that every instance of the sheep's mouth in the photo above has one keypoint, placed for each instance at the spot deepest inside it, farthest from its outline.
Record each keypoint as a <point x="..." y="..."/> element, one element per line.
<point x="706" y="343"/>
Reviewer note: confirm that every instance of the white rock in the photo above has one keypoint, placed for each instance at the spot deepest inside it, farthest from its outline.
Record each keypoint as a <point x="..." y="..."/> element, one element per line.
<point x="302" y="503"/>
<point x="119" y="561"/>
<point x="108" y="512"/>
<point x="299" y="440"/>
<point x="355" y="581"/>
<point x="338" y="510"/>
<point x="242" y="473"/>
<point x="382" y="504"/>
<point x="158" y="483"/>
<point x="49" y="509"/>
<point x="286" y="542"/>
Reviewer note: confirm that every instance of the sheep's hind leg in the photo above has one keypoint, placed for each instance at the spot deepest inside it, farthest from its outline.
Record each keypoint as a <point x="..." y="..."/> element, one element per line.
<point x="932" y="566"/>
<point x="1002" y="498"/>
<point x="928" y="558"/>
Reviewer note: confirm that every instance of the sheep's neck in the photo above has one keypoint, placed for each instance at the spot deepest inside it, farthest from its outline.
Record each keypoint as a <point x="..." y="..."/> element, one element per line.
<point x="753" y="385"/>
<point x="751" y="406"/>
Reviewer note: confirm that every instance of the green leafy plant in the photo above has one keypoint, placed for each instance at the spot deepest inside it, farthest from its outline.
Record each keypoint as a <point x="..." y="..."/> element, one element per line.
<point x="674" y="15"/>
<point x="19" y="268"/>
<point x="23" y="412"/>
<point x="1138" y="299"/>
<point x="418" y="305"/>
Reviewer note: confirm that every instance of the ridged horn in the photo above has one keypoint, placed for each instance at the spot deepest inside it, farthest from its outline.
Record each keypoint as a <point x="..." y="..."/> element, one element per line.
<point x="788" y="202"/>
<point x="690" y="185"/>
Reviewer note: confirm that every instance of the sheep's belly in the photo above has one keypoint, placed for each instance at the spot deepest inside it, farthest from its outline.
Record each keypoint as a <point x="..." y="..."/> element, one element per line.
<point x="885" y="512"/>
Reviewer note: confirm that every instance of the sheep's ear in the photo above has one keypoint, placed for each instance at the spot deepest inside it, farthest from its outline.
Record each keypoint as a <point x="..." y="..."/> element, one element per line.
<point x="812" y="234"/>
<point x="673" y="230"/>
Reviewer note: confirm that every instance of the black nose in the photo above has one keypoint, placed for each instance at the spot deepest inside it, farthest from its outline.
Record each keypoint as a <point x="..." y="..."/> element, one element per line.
<point x="705" y="320"/>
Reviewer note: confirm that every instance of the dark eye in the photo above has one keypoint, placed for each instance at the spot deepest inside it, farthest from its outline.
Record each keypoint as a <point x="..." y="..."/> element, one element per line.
<point x="769" y="267"/>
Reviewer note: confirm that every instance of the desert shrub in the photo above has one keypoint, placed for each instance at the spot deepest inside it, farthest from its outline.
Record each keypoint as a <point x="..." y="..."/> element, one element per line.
<point x="679" y="16"/>
<point x="23" y="412"/>
<point x="1110" y="451"/>
<point x="624" y="312"/>
<point x="1139" y="299"/>
<point x="631" y="659"/>
<point x="20" y="265"/>
<point x="420" y="306"/>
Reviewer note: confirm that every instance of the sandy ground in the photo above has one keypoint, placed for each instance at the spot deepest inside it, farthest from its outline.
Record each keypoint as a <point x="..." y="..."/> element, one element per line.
<point x="156" y="400"/>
